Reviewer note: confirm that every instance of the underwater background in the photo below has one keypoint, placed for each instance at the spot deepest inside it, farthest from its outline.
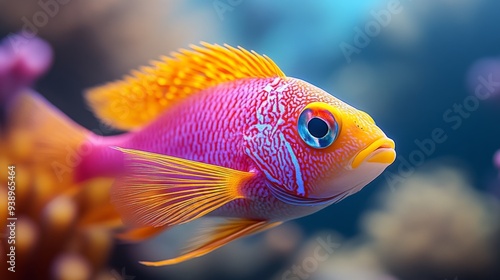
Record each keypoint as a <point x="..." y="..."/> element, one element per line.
<point x="427" y="71"/>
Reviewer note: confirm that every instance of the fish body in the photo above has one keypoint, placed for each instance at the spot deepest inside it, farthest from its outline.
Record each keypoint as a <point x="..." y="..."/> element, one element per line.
<point x="220" y="131"/>
<point x="213" y="127"/>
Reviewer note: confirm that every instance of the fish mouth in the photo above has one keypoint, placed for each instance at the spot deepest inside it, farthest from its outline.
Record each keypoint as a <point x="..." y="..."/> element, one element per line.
<point x="380" y="151"/>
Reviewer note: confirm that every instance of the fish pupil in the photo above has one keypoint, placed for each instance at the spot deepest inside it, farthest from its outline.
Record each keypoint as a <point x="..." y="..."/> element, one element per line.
<point x="317" y="127"/>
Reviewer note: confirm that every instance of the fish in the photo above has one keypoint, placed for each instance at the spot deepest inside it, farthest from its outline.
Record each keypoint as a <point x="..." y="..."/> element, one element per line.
<point x="212" y="131"/>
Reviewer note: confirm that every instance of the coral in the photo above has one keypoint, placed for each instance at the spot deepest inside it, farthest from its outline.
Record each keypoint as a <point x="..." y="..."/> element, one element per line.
<point x="435" y="223"/>
<point x="354" y="262"/>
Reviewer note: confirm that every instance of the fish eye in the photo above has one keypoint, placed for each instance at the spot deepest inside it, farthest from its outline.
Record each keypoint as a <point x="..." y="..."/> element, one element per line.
<point x="317" y="126"/>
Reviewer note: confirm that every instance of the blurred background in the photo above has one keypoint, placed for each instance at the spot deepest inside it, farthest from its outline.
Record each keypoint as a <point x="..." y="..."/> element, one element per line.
<point x="427" y="71"/>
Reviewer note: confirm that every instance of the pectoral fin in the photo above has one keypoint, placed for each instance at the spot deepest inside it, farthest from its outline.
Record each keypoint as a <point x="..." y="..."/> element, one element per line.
<point x="160" y="190"/>
<point x="217" y="236"/>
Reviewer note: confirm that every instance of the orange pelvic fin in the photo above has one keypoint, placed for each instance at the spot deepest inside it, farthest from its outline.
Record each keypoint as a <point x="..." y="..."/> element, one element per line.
<point x="217" y="236"/>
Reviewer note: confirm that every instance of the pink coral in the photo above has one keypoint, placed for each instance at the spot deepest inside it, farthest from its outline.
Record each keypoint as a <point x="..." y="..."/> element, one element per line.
<point x="22" y="61"/>
<point x="483" y="77"/>
<point x="496" y="159"/>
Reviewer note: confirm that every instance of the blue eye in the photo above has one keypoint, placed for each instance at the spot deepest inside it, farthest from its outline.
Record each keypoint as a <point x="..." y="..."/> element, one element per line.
<point x="317" y="126"/>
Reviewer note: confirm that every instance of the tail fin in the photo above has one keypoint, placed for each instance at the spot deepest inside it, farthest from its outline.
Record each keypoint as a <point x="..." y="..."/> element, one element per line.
<point x="39" y="133"/>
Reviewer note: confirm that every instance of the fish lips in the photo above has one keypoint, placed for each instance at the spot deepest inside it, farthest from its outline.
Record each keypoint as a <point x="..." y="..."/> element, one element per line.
<point x="380" y="151"/>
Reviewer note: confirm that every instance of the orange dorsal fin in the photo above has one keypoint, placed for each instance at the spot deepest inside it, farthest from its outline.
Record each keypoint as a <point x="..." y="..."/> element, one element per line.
<point x="143" y="95"/>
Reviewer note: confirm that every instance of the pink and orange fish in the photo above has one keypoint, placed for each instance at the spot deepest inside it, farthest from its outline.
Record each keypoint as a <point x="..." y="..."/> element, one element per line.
<point x="215" y="131"/>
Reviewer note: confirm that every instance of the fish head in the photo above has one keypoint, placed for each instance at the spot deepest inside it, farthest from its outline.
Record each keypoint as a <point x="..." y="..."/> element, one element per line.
<point x="311" y="145"/>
